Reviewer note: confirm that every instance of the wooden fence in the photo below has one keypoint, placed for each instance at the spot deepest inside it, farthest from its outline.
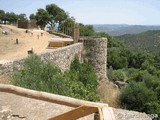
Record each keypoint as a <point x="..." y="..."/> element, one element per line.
<point x="81" y="108"/>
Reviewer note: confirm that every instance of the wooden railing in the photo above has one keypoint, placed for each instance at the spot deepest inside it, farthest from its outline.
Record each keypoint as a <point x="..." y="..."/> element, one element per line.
<point x="81" y="108"/>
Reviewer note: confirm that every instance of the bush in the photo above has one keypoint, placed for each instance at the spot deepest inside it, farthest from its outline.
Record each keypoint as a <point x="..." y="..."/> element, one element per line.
<point x="116" y="59"/>
<point x="136" y="96"/>
<point x="40" y="76"/>
<point x="79" y="82"/>
<point x="82" y="81"/>
<point x="115" y="75"/>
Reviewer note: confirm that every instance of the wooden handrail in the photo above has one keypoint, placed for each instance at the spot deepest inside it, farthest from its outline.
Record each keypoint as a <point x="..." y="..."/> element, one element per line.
<point x="82" y="108"/>
<point x="53" y="98"/>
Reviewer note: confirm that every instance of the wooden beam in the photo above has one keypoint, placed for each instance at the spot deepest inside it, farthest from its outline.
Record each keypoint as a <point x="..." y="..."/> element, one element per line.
<point x="100" y="114"/>
<point x="53" y="98"/>
<point x="108" y="113"/>
<point x="76" y="113"/>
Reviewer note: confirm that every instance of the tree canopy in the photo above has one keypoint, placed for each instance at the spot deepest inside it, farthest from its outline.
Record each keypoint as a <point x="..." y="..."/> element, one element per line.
<point x="2" y="15"/>
<point x="140" y="71"/>
<point x="11" y="17"/>
<point x="51" y="15"/>
<point x="22" y="16"/>
<point x="42" y="17"/>
<point x="32" y="17"/>
<point x="57" y="15"/>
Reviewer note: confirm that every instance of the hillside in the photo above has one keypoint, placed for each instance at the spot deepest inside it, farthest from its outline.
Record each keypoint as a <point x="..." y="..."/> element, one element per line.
<point x="147" y="41"/>
<point x="121" y="29"/>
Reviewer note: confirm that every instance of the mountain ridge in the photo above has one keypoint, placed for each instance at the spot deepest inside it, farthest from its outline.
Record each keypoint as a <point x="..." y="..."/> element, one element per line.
<point x="121" y="29"/>
<point x="148" y="41"/>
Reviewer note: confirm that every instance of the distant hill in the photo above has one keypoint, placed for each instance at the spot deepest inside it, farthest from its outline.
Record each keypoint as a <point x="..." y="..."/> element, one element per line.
<point x="121" y="29"/>
<point x="147" y="41"/>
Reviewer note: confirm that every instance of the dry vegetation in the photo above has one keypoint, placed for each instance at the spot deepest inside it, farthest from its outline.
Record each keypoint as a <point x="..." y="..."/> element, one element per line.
<point x="5" y="79"/>
<point x="109" y="93"/>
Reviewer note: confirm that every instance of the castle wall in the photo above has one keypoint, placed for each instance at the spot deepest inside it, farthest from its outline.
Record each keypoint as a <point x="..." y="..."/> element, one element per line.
<point x="23" y="24"/>
<point x="26" y="24"/>
<point x="61" y="57"/>
<point x="92" y="51"/>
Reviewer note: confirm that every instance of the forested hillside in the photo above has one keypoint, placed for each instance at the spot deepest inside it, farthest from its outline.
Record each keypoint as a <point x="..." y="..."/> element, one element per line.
<point x="147" y="41"/>
<point x="140" y="71"/>
<point x="121" y="29"/>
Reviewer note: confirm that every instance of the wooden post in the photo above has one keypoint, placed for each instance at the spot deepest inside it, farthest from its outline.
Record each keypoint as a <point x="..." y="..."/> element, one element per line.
<point x="75" y="34"/>
<point x="76" y="113"/>
<point x="17" y="41"/>
<point x="38" y="36"/>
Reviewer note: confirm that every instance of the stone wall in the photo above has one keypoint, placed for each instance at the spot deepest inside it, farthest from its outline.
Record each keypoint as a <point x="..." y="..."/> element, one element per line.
<point x="26" y="24"/>
<point x="23" y="24"/>
<point x="92" y="51"/>
<point x="61" y="57"/>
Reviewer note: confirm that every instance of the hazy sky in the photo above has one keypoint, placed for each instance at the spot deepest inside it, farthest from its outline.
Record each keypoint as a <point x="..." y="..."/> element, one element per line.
<point x="95" y="11"/>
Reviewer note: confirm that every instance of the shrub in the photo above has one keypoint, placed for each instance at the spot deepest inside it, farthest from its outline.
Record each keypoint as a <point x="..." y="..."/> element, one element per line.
<point x="136" y="96"/>
<point x="82" y="81"/>
<point x="115" y="75"/>
<point x="79" y="82"/>
<point x="40" y="76"/>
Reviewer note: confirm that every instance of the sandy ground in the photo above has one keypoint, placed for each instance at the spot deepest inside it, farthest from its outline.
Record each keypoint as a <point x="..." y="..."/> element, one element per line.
<point x="26" y="41"/>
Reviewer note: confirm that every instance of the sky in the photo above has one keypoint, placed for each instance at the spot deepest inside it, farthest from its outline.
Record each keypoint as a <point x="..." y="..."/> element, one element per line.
<point x="133" y="12"/>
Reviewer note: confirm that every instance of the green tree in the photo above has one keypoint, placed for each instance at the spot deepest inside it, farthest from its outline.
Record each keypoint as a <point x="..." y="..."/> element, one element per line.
<point x="138" y="58"/>
<point x="22" y="16"/>
<point x="115" y="75"/>
<point x="2" y="15"/>
<point x="32" y="17"/>
<point x="57" y="15"/>
<point x="117" y="58"/>
<point x="136" y="96"/>
<point x="42" y="18"/>
<point x="11" y="17"/>
<point x="157" y="61"/>
<point x="68" y="23"/>
<point x="86" y="30"/>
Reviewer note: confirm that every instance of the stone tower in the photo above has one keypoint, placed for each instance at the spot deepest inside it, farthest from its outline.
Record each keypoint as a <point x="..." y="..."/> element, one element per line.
<point x="95" y="53"/>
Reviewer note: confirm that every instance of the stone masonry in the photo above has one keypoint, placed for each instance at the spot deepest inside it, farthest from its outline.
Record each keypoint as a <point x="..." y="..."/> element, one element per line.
<point x="92" y="51"/>
<point x="95" y="53"/>
<point x="61" y="57"/>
